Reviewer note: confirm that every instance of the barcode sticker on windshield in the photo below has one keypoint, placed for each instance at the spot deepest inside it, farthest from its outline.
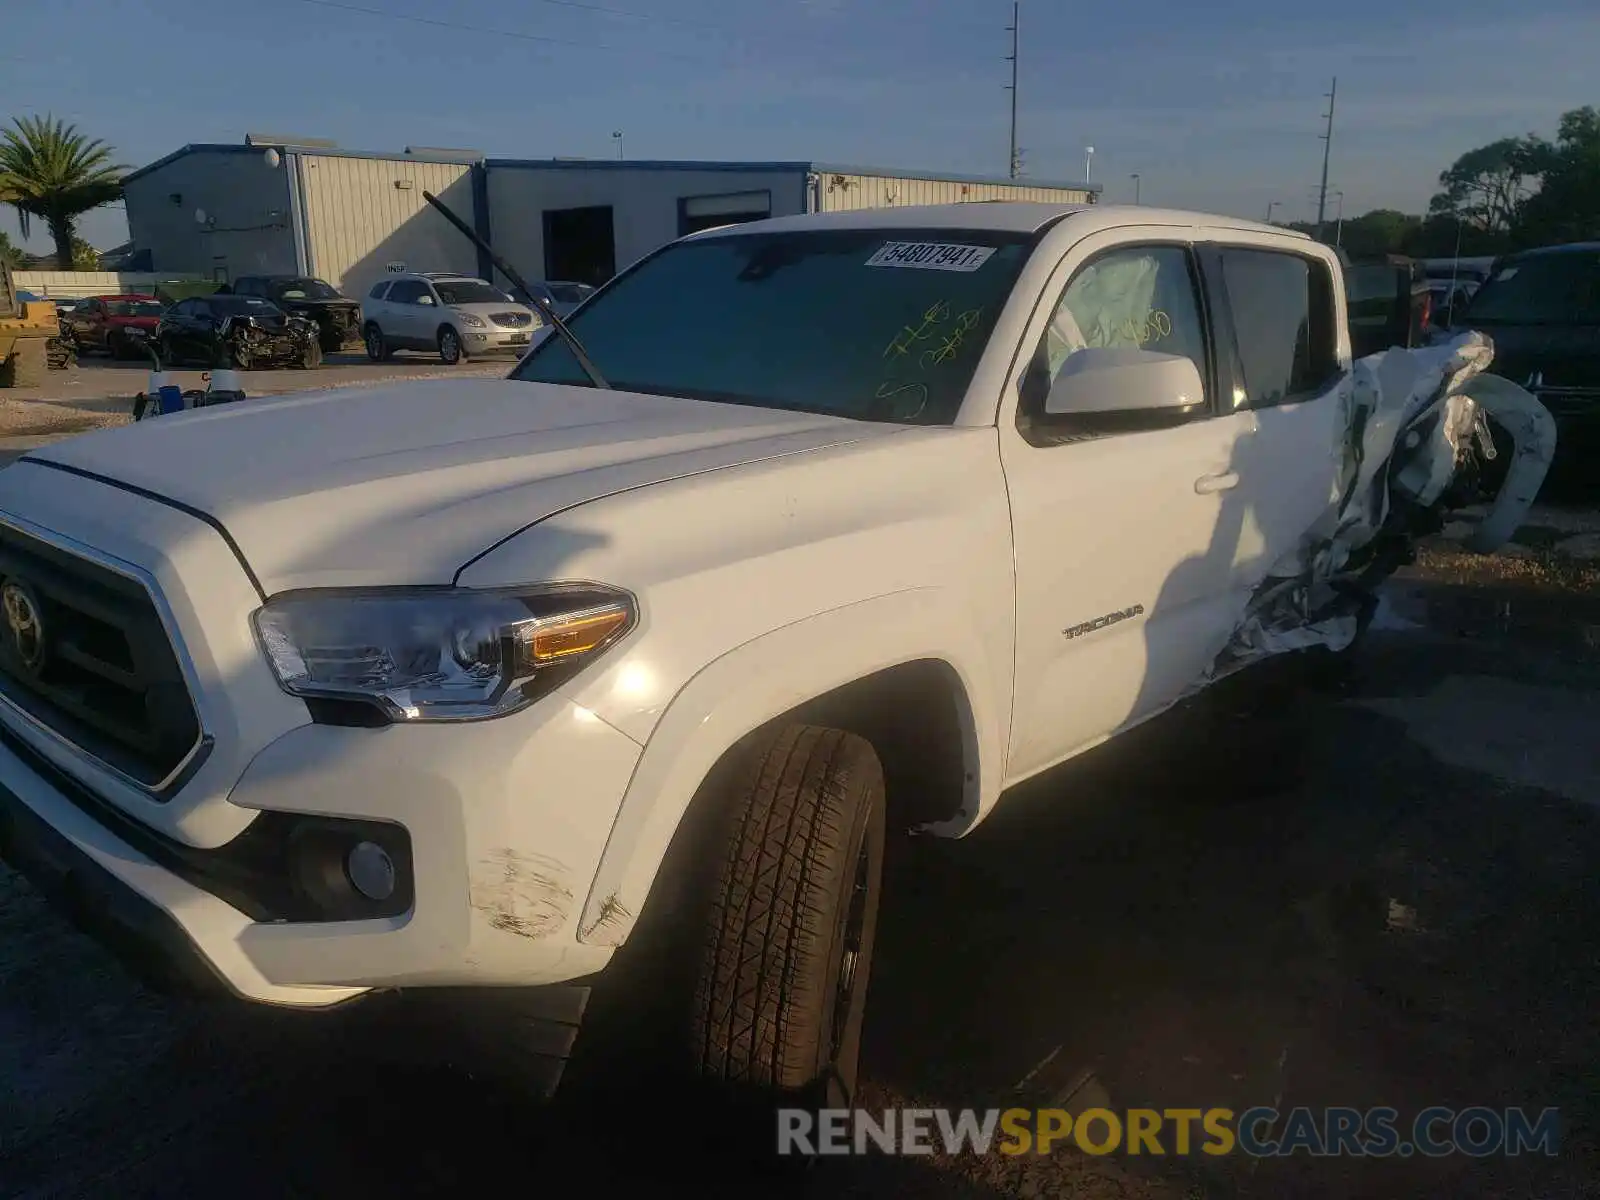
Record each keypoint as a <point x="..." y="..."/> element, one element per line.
<point x="931" y="256"/>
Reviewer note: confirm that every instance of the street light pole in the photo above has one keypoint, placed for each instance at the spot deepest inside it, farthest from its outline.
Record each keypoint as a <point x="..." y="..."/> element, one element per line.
<point x="1088" y="161"/>
<point x="616" y="135"/>
<point x="1135" y="178"/>
<point x="1272" y="204"/>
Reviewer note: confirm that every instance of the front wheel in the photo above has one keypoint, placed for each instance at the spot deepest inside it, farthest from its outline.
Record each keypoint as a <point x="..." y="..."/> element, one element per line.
<point x="450" y="351"/>
<point x="791" y="912"/>
<point x="311" y="359"/>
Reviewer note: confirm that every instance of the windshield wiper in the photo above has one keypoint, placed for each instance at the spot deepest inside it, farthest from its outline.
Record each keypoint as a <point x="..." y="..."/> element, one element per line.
<point x="571" y="339"/>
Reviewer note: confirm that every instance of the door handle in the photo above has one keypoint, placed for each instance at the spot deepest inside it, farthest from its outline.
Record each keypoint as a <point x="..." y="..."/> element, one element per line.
<point x="1207" y="484"/>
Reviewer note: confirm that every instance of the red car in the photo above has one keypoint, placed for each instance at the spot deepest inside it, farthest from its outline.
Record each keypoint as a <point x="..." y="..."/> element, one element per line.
<point x="115" y="325"/>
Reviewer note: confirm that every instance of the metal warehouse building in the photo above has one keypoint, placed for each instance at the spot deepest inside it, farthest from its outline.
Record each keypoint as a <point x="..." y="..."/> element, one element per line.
<point x="271" y="206"/>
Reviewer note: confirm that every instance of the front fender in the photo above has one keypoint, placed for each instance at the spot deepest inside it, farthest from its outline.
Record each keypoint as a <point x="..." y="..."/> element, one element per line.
<point x="765" y="678"/>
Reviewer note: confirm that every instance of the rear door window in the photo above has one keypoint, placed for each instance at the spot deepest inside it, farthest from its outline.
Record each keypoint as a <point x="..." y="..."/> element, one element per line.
<point x="1284" y="330"/>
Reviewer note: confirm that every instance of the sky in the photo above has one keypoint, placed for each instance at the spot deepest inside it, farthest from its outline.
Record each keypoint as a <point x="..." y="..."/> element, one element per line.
<point x="1217" y="106"/>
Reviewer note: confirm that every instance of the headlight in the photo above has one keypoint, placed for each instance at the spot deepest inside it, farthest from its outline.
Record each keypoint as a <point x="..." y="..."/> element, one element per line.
<point x="470" y="319"/>
<point x="439" y="654"/>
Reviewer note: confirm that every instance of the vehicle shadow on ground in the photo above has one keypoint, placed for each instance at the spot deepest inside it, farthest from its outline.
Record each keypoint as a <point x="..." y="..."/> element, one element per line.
<point x="1301" y="908"/>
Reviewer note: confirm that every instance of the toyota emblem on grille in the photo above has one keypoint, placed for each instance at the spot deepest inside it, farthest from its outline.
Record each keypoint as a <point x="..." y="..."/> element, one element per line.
<point x="24" y="625"/>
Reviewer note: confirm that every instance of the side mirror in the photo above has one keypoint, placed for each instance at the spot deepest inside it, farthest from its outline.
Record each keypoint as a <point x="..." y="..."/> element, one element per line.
<point x="1125" y="388"/>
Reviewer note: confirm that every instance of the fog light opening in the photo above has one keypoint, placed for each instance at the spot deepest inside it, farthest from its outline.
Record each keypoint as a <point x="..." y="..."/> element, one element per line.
<point x="371" y="870"/>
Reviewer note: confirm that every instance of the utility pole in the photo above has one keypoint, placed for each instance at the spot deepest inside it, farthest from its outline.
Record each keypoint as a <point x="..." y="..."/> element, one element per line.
<point x="1012" y="29"/>
<point x="1135" y="178"/>
<point x="1327" y="148"/>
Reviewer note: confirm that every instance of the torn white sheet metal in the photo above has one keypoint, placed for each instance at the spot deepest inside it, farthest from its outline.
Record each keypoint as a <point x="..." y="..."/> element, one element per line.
<point x="1416" y="419"/>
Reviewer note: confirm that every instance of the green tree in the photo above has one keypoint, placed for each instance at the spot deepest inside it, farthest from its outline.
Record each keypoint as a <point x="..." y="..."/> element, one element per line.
<point x="84" y="256"/>
<point x="1566" y="208"/>
<point x="10" y="252"/>
<point x="1485" y="188"/>
<point x="51" y="172"/>
<point x="1381" y="231"/>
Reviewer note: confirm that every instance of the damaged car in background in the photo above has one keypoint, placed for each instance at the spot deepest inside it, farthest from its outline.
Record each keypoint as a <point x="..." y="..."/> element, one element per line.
<point x="246" y="332"/>
<point x="606" y="681"/>
<point x="338" y="318"/>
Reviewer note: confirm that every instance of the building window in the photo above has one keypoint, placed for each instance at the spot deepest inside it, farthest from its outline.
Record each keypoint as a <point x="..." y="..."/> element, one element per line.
<point x="707" y="212"/>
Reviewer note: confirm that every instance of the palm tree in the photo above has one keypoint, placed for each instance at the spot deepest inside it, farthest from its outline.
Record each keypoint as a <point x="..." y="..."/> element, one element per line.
<point x="51" y="171"/>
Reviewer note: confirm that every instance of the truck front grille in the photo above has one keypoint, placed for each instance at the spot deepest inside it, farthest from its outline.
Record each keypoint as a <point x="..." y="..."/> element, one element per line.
<point x="85" y="655"/>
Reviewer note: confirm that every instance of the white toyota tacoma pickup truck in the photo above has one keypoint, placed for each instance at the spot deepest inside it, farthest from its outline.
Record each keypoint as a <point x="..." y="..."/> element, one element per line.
<point x="830" y="525"/>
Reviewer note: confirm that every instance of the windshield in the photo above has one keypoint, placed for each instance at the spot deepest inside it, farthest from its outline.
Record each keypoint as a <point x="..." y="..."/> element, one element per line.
<point x="304" y="289"/>
<point x="242" y="306"/>
<point x="870" y="324"/>
<point x="469" y="291"/>
<point x="1545" y="289"/>
<point x="133" y="308"/>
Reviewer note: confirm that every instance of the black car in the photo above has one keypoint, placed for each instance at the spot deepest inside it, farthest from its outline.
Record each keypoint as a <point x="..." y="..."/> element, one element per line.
<point x="1541" y="309"/>
<point x="235" y="331"/>
<point x="337" y="316"/>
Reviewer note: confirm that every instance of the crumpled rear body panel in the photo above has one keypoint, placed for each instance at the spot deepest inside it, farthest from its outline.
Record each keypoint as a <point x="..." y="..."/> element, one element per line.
<point x="1418" y="432"/>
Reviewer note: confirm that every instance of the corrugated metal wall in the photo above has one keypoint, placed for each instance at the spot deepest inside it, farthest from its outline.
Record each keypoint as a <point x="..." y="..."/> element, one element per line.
<point x="358" y="222"/>
<point x="841" y="193"/>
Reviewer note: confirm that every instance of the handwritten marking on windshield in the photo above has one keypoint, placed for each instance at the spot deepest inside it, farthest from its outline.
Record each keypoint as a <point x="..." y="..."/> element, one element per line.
<point x="888" y="389"/>
<point x="946" y="349"/>
<point x="909" y="336"/>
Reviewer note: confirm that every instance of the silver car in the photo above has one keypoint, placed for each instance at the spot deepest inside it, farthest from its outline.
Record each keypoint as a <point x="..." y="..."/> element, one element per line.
<point x="456" y="316"/>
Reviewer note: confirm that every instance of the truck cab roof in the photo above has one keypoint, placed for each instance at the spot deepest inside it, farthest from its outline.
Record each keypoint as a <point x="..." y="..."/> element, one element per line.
<point x="1001" y="216"/>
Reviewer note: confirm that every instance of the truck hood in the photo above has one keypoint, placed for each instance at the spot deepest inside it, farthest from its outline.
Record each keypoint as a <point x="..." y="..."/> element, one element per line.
<point x="405" y="483"/>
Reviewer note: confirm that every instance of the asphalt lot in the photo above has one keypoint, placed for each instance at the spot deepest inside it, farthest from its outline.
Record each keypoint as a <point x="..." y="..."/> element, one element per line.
<point x="1376" y="895"/>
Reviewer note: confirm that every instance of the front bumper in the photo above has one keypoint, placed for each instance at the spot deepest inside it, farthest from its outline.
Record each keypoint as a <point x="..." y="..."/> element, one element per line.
<point x="507" y="821"/>
<point x="489" y="341"/>
<point x="524" y="1035"/>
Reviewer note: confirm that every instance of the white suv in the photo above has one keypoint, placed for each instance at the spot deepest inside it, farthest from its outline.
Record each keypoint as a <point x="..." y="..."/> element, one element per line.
<point x="455" y="315"/>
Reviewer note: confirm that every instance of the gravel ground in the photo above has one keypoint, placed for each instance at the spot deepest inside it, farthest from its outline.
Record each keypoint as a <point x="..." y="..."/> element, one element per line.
<point x="1203" y="912"/>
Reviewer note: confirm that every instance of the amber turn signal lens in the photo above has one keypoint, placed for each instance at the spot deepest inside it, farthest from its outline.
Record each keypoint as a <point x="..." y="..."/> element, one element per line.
<point x="562" y="637"/>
